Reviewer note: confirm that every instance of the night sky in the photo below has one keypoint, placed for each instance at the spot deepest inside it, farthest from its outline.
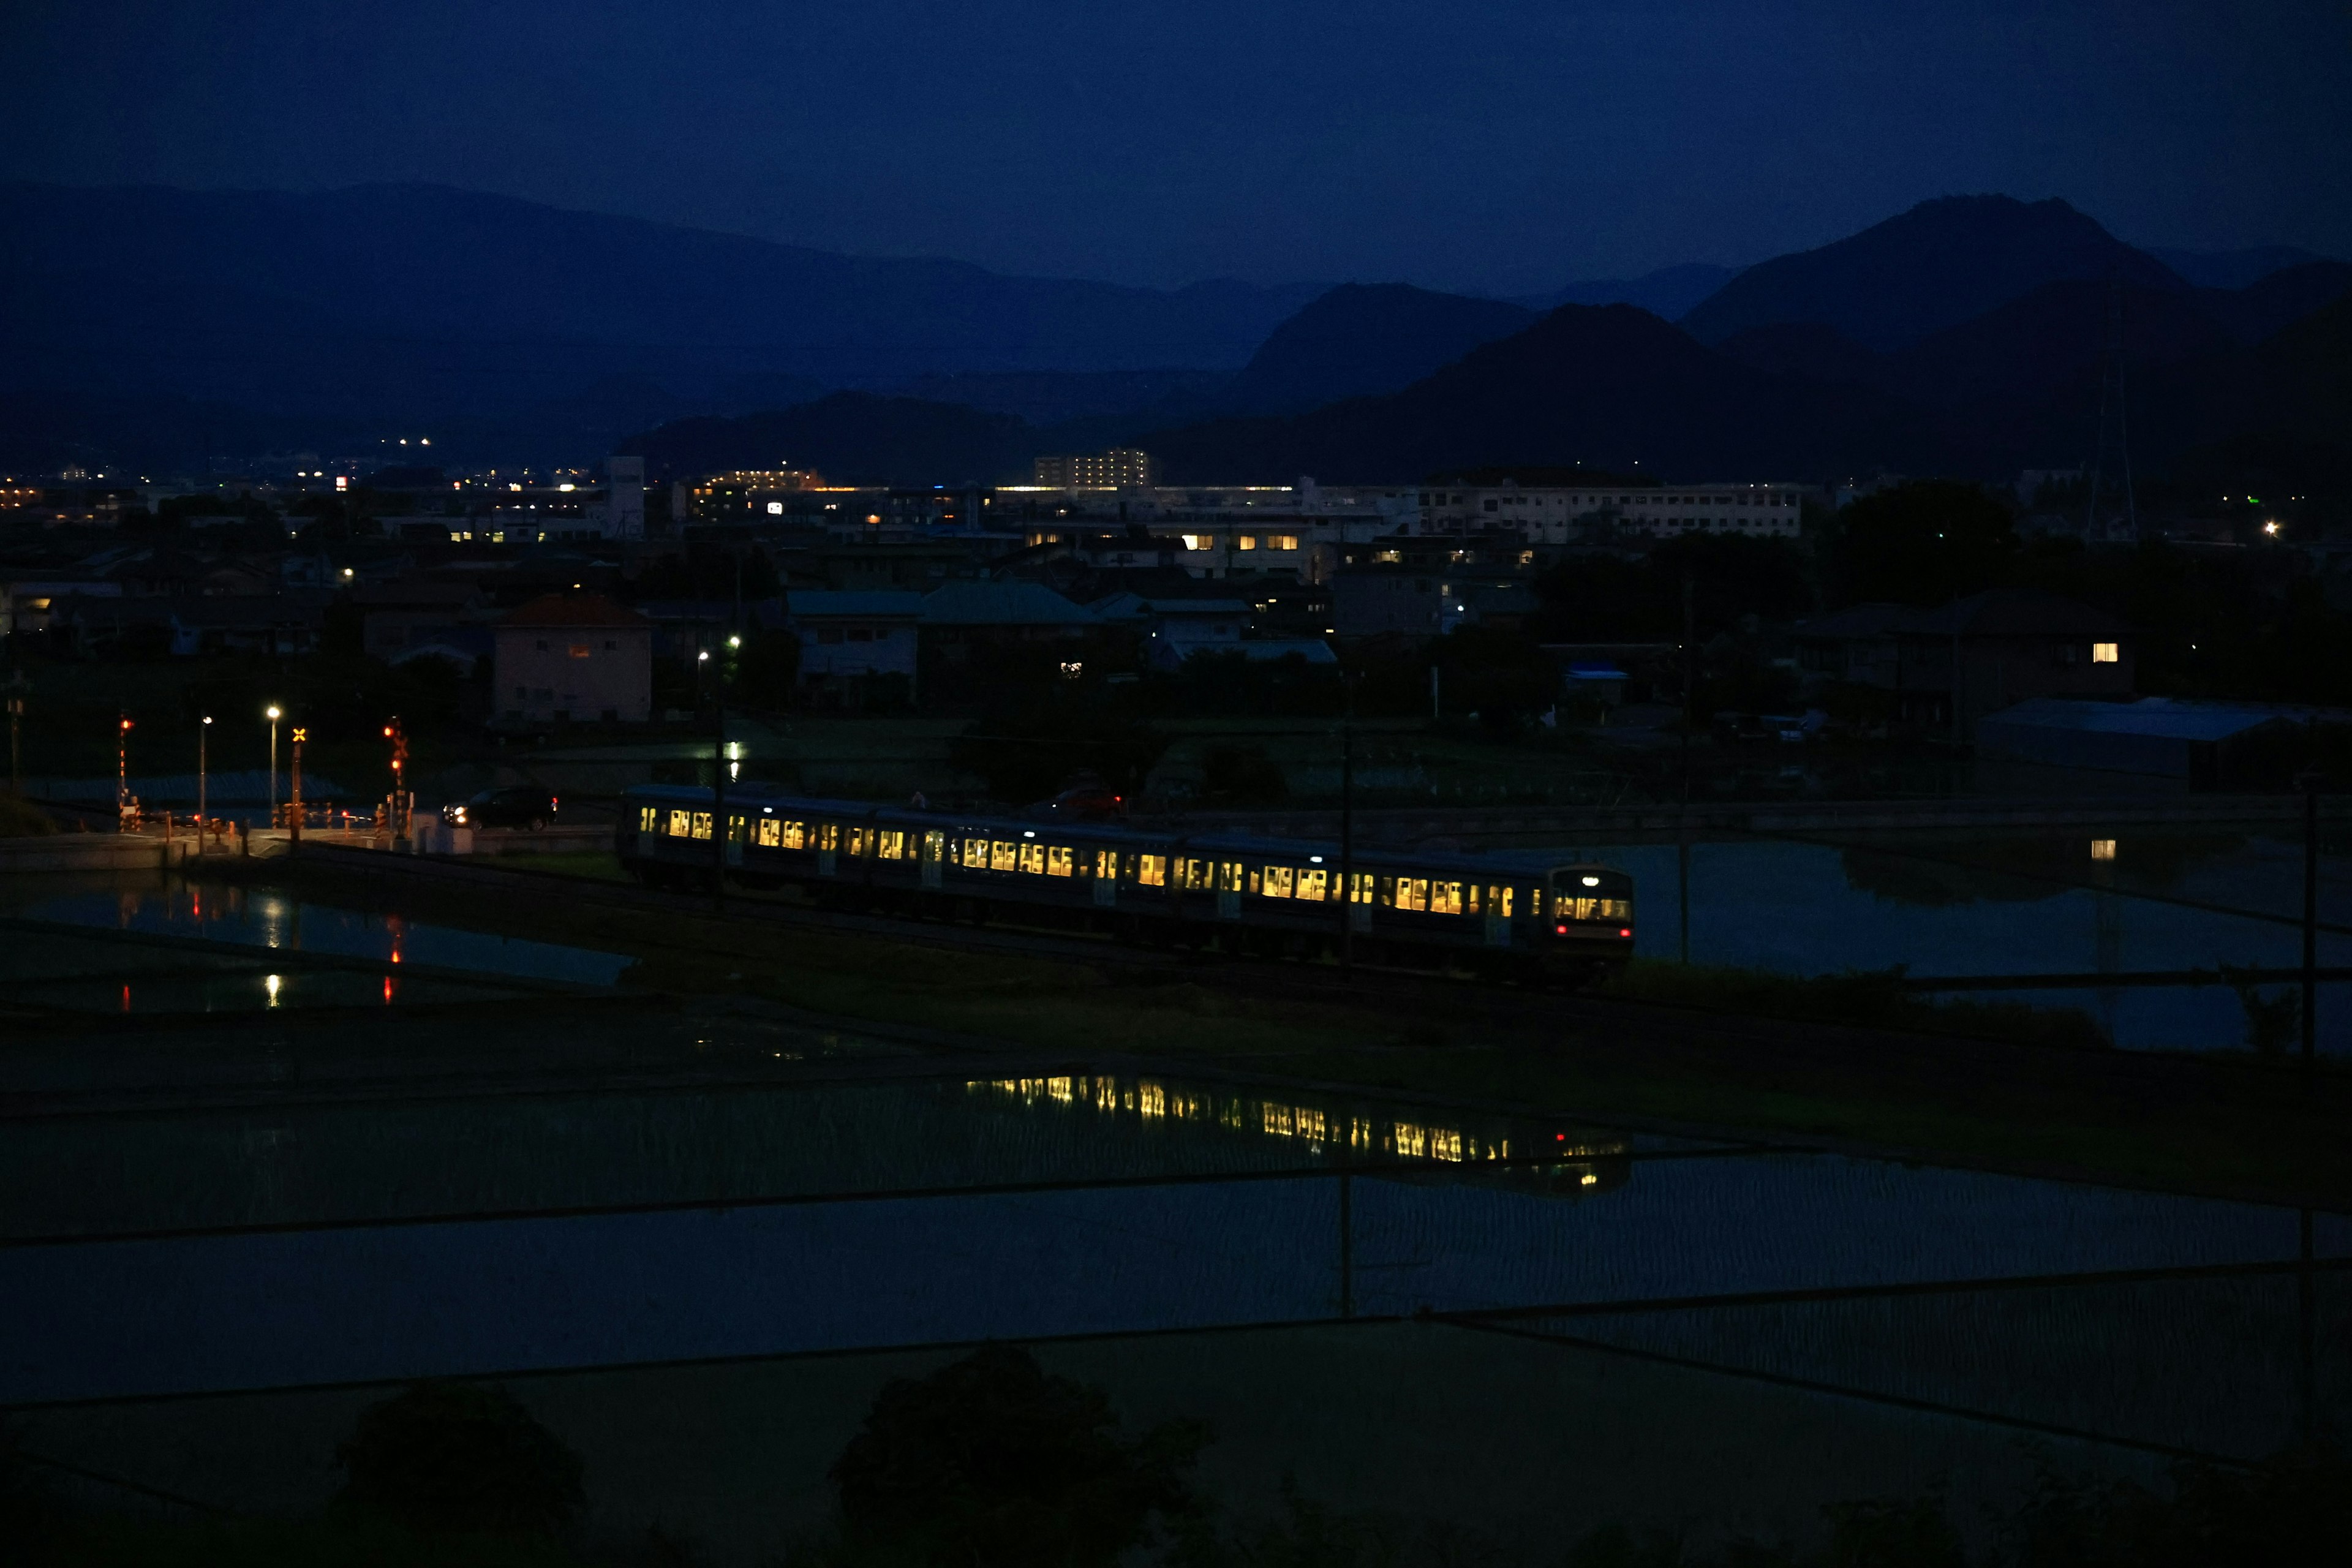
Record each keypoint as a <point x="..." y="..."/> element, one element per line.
<point x="1475" y="144"/>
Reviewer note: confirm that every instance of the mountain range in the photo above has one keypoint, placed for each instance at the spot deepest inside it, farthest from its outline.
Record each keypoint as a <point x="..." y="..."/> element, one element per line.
<point x="1962" y="335"/>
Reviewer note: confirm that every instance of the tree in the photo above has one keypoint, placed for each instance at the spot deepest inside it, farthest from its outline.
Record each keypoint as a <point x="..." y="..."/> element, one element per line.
<point x="453" y="1457"/>
<point x="1035" y="745"/>
<point x="1925" y="543"/>
<point x="991" y="1463"/>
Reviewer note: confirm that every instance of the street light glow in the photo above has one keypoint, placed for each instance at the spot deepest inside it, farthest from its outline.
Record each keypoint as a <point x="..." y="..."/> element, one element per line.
<point x="271" y="713"/>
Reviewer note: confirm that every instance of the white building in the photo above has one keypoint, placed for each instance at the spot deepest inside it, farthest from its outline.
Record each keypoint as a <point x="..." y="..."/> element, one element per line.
<point x="1548" y="515"/>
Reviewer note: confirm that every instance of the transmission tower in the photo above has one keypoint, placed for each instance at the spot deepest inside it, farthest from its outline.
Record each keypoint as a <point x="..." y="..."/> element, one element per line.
<point x="2113" y="450"/>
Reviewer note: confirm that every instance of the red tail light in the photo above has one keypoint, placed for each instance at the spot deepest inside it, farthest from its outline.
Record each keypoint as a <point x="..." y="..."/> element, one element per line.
<point x="1562" y="930"/>
<point x="1624" y="931"/>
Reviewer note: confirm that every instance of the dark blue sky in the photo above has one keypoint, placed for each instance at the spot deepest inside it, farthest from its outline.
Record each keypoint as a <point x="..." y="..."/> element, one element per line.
<point x="1463" y="144"/>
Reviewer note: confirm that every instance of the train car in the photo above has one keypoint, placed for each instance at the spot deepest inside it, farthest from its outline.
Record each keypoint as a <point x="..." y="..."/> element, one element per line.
<point x="1277" y="896"/>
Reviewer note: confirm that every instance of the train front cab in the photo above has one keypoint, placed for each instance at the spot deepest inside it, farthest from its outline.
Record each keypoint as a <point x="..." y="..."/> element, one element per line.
<point x="1586" y="927"/>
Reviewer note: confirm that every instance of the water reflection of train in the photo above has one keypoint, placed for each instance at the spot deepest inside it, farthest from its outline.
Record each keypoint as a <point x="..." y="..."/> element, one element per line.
<point x="1548" y="1156"/>
<point x="1503" y="915"/>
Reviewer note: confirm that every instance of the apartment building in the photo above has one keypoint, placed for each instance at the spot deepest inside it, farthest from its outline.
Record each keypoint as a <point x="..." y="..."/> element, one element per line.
<point x="1564" y="515"/>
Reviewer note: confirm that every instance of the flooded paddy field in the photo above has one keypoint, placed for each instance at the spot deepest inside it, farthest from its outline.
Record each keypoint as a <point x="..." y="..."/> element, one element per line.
<point x="698" y="1240"/>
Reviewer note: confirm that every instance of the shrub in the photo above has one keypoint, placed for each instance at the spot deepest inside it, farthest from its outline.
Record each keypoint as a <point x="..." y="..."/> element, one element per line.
<point x="992" y="1462"/>
<point x="453" y="1457"/>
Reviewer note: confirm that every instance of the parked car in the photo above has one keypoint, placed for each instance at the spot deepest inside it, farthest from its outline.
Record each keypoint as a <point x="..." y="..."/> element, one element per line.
<point x="1088" y="803"/>
<point x="516" y="805"/>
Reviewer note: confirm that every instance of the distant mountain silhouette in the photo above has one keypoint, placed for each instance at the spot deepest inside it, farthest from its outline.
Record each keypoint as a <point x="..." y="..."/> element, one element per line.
<point x="2054" y="336"/>
<point x="1362" y="339"/>
<point x="418" y="304"/>
<point x="1940" y="264"/>
<point x="1669" y="293"/>
<point x="1607" y="386"/>
<point x="2233" y="268"/>
<point x="2015" y="387"/>
<point x="851" y="437"/>
<point x="2276" y="299"/>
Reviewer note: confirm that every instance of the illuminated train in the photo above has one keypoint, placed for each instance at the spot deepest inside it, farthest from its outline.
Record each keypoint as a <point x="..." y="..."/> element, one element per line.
<point x="1502" y="915"/>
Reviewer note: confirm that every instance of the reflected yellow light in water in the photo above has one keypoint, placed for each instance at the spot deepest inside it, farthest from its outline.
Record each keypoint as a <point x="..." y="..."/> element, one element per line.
<point x="272" y="983"/>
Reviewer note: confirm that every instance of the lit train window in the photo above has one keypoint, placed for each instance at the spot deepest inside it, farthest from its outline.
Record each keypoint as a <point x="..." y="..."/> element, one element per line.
<point x="1276" y="881"/>
<point x="738" y="829"/>
<point x="681" y="823"/>
<point x="1313" y="884"/>
<point x="701" y="825"/>
<point x="648" y="818"/>
<point x="1106" y="864"/>
<point x="975" y="854"/>
<point x="1471" y="892"/>
<point x="772" y="833"/>
<point x="1061" y="861"/>
<point x="1033" y="858"/>
<point x="1151" y="870"/>
<point x="1003" y="856"/>
<point x="856" y="844"/>
<point x="795" y="836"/>
<point x="1362" y="892"/>
<point x="1413" y="892"/>
<point x="828" y="835"/>
<point x="1445" y="898"/>
<point x="935" y="844"/>
<point x="892" y="845"/>
<point x="1230" y="876"/>
<point x="1498" y="901"/>
<point x="1191" y="874"/>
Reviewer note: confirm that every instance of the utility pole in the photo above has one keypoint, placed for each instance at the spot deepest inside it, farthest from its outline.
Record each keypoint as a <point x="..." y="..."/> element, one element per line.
<point x="1690" y="712"/>
<point x="271" y="712"/>
<point x="16" y="738"/>
<point x="1348" y="840"/>
<point x="2115" y="433"/>
<point x="718" y="800"/>
<point x="204" y="732"/>
<point x="2310" y="781"/>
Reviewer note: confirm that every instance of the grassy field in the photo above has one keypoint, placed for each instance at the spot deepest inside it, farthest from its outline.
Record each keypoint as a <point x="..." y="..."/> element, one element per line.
<point x="1716" y="1058"/>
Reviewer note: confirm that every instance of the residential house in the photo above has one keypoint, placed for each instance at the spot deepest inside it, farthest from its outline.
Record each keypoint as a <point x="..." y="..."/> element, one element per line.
<point x="573" y="657"/>
<point x="1944" y="669"/>
<point x="852" y="643"/>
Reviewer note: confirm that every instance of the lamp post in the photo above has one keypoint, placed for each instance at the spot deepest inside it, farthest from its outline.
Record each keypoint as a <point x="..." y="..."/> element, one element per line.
<point x="204" y="732"/>
<point x="272" y="713"/>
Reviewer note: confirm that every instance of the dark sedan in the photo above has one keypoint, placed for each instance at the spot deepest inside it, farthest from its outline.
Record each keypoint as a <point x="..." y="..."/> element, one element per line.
<point x="517" y="805"/>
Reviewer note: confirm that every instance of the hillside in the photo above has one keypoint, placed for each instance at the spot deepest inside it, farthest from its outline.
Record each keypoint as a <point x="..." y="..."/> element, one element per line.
<point x="1360" y="339"/>
<point x="1938" y="265"/>
<point x="1669" y="293"/>
<point x="418" y="304"/>
<point x="1606" y="386"/>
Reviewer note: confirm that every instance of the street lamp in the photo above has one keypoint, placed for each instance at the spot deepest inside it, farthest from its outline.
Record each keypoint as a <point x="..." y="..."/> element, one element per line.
<point x="204" y="732"/>
<point x="274" y="715"/>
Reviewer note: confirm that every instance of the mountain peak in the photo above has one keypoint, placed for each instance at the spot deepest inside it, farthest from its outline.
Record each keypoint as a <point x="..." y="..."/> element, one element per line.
<point x="1935" y="266"/>
<point x="1361" y="339"/>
